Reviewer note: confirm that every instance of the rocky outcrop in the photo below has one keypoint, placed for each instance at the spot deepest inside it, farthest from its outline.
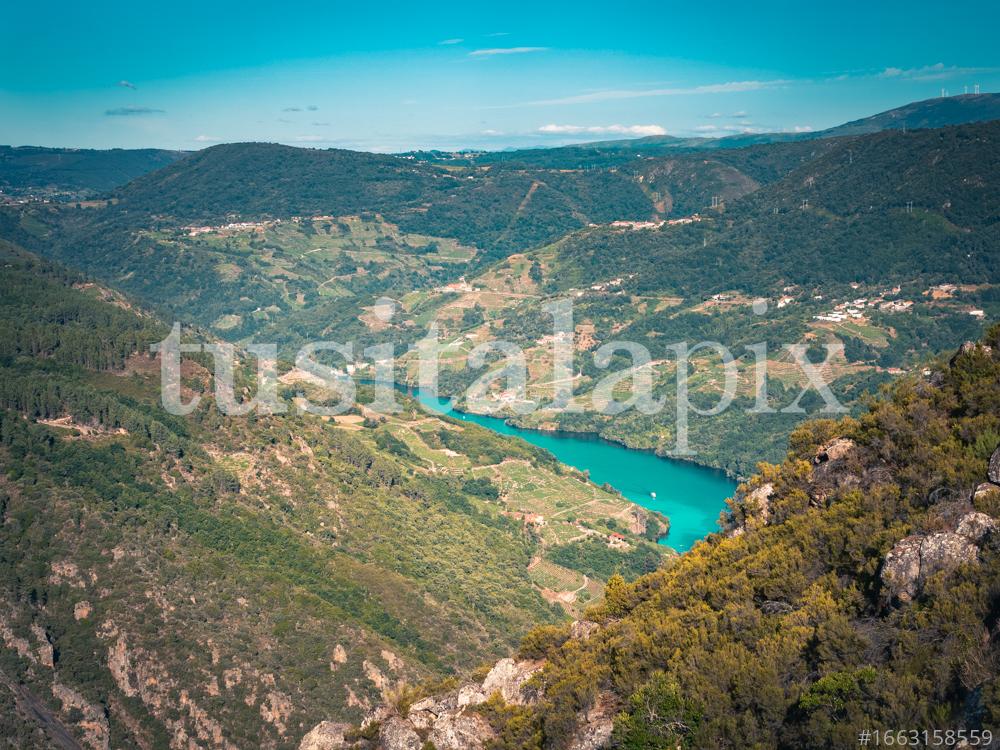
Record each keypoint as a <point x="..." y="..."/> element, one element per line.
<point x="984" y="490"/>
<point x="994" y="469"/>
<point x="582" y="628"/>
<point x="509" y="678"/>
<point x="398" y="734"/>
<point x="835" y="450"/>
<point x="460" y="731"/>
<point x="917" y="557"/>
<point x="93" y="723"/>
<point x="326" y="735"/>
<point x="836" y="467"/>
<point x="975" y="527"/>
<point x="594" y="727"/>
<point x="754" y="509"/>
<point x="452" y="721"/>
<point x="760" y="501"/>
<point x="969" y="347"/>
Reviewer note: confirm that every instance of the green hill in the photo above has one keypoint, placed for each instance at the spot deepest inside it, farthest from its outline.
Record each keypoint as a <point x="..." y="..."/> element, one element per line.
<point x="75" y="173"/>
<point x="236" y="578"/>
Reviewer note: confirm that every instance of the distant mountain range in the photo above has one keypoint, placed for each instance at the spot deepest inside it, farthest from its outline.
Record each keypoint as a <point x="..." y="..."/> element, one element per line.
<point x="72" y="174"/>
<point x="929" y="113"/>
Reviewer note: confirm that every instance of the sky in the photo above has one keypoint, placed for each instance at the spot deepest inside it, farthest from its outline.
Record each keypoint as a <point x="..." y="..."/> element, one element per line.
<point x="398" y="76"/>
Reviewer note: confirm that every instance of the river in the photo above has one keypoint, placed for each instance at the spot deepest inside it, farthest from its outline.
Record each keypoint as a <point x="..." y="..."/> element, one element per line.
<point x="691" y="496"/>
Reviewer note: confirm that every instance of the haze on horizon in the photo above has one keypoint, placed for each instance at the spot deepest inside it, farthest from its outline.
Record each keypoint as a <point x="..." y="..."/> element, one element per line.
<point x="400" y="77"/>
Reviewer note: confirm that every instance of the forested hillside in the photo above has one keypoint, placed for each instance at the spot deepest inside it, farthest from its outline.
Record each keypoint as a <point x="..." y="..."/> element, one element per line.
<point x="234" y="580"/>
<point x="854" y="587"/>
<point x="801" y="625"/>
<point x="75" y="173"/>
<point x="266" y="241"/>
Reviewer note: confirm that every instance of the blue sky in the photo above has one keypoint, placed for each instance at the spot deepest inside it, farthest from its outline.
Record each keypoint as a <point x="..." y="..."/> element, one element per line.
<point x="395" y="76"/>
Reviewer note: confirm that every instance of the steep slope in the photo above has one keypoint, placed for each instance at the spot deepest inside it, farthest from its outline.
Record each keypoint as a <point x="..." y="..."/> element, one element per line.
<point x="233" y="580"/>
<point x="854" y="266"/>
<point x="495" y="211"/>
<point x="262" y="180"/>
<point x="854" y="587"/>
<point x="873" y="208"/>
<point x="929" y="113"/>
<point x="74" y="173"/>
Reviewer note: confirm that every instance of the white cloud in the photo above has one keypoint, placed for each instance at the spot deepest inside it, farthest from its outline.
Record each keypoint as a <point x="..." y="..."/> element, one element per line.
<point x="640" y="130"/>
<point x="505" y="51"/>
<point x="207" y="139"/>
<point x="612" y="94"/>
<point x="127" y="84"/>
<point x="311" y="139"/>
<point x="801" y="128"/>
<point x="707" y="128"/>
<point x="451" y="41"/>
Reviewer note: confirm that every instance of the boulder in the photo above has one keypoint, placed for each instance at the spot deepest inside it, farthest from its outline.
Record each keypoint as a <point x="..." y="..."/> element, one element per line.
<point x="916" y="558"/>
<point x="426" y="704"/>
<point x="945" y="550"/>
<point x="773" y="607"/>
<point x="833" y="470"/>
<point x="508" y="678"/>
<point x="460" y="731"/>
<point x="994" y="470"/>
<point x="326" y="735"/>
<point x="833" y="451"/>
<point x="975" y="527"/>
<point x="983" y="490"/>
<point x="397" y="734"/>
<point x="470" y="695"/>
<point x="901" y="569"/>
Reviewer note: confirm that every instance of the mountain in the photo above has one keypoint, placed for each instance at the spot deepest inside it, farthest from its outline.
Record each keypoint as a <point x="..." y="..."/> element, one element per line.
<point x="808" y="225"/>
<point x="73" y="173"/>
<point x="854" y="585"/>
<point x="929" y="113"/>
<point x="893" y="256"/>
<point x="234" y="580"/>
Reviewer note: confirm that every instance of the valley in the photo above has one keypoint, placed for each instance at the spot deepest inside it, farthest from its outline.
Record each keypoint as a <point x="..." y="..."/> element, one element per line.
<point x="205" y="578"/>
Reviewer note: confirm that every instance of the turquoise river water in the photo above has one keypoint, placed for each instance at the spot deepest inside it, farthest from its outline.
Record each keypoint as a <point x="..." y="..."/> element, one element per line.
<point x="691" y="496"/>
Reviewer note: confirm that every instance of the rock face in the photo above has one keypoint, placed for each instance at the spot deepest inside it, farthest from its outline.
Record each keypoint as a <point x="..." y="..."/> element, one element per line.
<point x="397" y="734"/>
<point x="917" y="557"/>
<point x="760" y="499"/>
<point x="832" y="470"/>
<point x="994" y="470"/>
<point x="450" y="721"/>
<point x="460" y="731"/>
<point x="508" y="677"/>
<point x="755" y="510"/>
<point x="326" y="735"/>
<point x="835" y="450"/>
<point x="595" y="726"/>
